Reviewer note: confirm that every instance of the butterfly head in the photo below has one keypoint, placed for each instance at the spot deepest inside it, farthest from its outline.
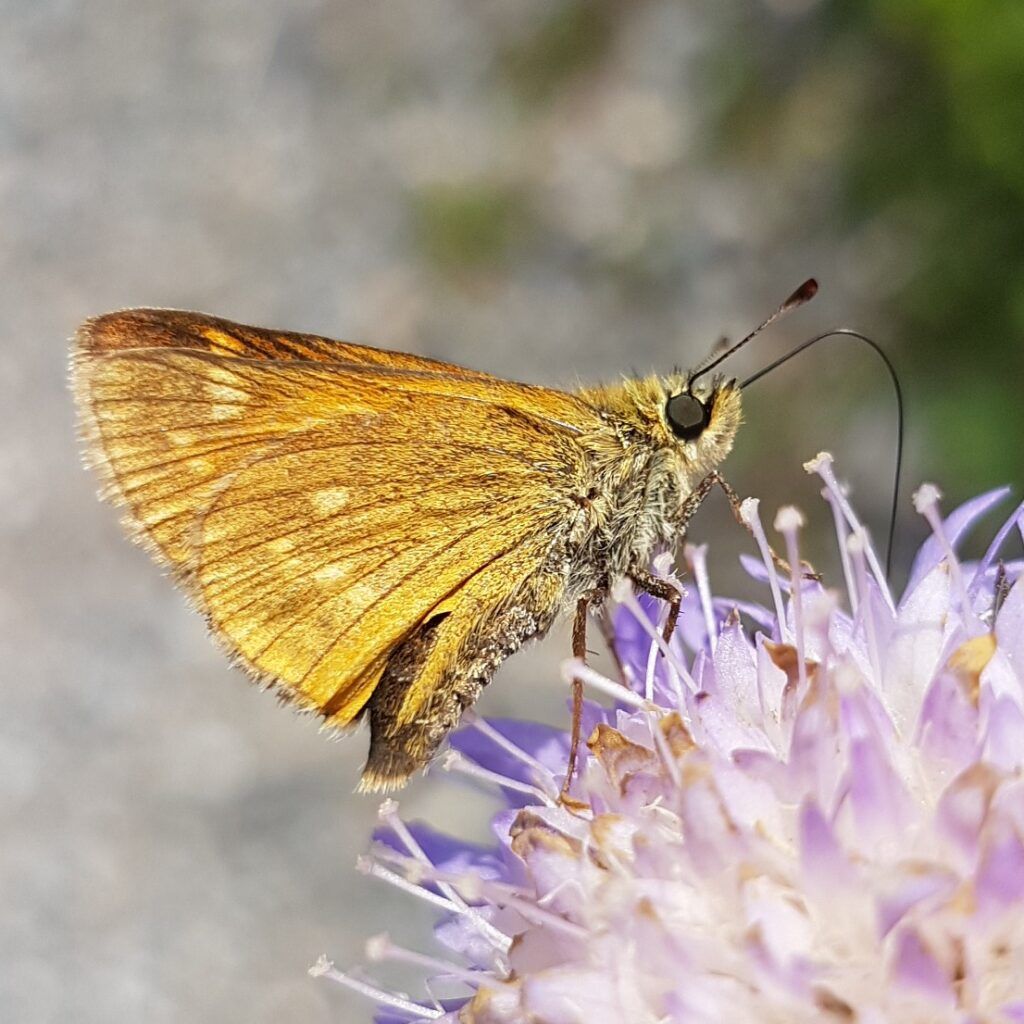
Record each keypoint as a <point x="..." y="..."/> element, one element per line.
<point x="692" y="424"/>
<point x="699" y="420"/>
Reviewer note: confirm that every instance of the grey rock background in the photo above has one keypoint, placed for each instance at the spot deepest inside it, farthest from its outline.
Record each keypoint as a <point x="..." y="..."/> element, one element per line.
<point x="462" y="179"/>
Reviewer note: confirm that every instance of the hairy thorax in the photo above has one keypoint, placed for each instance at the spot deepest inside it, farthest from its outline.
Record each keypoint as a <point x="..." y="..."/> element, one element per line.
<point x="630" y="509"/>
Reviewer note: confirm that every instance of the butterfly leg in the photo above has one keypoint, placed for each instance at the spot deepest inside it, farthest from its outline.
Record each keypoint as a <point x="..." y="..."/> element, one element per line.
<point x="657" y="587"/>
<point x="703" y="489"/>
<point x="579" y="650"/>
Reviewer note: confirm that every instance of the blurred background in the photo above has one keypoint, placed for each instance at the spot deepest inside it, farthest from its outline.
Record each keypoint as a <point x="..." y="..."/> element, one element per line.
<point x="555" y="190"/>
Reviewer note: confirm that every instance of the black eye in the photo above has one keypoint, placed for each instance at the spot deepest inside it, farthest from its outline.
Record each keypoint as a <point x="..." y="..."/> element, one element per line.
<point x="686" y="416"/>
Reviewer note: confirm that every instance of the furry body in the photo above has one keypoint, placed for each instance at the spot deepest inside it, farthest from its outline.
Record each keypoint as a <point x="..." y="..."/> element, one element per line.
<point x="634" y="479"/>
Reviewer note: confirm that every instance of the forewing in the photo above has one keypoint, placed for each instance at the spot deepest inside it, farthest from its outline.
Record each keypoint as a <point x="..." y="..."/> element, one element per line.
<point x="199" y="332"/>
<point x="319" y="512"/>
<point x="314" y="585"/>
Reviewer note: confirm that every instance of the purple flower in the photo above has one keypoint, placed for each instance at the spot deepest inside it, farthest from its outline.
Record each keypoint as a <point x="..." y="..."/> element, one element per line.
<point x="806" y="812"/>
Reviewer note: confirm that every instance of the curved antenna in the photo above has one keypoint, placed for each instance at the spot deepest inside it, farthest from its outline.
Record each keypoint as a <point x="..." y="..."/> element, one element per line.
<point x="803" y="294"/>
<point x="848" y="333"/>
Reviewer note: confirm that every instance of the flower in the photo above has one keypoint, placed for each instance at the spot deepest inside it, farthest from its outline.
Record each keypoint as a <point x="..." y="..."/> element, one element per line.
<point x="816" y="818"/>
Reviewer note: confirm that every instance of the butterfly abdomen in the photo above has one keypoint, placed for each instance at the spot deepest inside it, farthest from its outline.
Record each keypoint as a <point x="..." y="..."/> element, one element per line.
<point x="400" y="743"/>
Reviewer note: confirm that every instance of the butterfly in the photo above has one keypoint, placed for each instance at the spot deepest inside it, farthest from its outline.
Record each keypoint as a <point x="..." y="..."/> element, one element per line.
<point x="372" y="532"/>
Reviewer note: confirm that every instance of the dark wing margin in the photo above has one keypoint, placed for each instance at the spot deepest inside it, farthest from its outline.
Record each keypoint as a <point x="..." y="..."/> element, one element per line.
<point x="142" y="327"/>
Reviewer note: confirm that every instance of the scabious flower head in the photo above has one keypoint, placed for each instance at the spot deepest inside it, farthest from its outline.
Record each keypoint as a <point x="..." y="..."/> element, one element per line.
<point x="816" y="818"/>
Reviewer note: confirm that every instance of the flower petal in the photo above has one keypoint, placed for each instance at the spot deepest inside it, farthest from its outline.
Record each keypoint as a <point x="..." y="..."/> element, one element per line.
<point x="955" y="525"/>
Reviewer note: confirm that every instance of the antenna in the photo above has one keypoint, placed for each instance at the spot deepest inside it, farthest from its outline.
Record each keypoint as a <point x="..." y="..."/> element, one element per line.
<point x="848" y="333"/>
<point x="803" y="294"/>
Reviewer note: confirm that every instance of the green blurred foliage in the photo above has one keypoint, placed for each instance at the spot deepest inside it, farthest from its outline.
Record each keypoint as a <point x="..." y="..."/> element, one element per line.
<point x="570" y="39"/>
<point x="931" y="145"/>
<point x="951" y="137"/>
<point x="467" y="227"/>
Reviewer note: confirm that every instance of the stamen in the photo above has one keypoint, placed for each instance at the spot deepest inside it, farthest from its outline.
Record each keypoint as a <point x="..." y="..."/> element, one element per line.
<point x="677" y="666"/>
<point x="324" y="968"/>
<point x="368" y="866"/>
<point x="556" y="890"/>
<point x="857" y="543"/>
<point x="749" y="513"/>
<point x="822" y="465"/>
<point x="696" y="558"/>
<point x="573" y="668"/>
<point x="788" y="521"/>
<point x="504" y="895"/>
<point x="544" y="776"/>
<point x="388" y="813"/>
<point x="529" y="909"/>
<point x="926" y="501"/>
<point x="453" y="761"/>
<point x="843" y="536"/>
<point x="665" y="751"/>
<point x="414" y="869"/>
<point x="652" y="666"/>
<point x="380" y="948"/>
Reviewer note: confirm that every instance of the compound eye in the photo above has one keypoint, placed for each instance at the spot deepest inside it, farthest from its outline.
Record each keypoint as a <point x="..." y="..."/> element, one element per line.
<point x="686" y="416"/>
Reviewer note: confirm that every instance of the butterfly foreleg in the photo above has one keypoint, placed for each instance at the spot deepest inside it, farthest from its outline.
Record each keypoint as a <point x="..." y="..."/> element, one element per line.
<point x="696" y="498"/>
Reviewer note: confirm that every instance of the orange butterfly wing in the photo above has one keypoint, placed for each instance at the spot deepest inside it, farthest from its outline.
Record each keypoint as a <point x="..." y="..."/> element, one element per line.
<point x="319" y="510"/>
<point x="177" y="328"/>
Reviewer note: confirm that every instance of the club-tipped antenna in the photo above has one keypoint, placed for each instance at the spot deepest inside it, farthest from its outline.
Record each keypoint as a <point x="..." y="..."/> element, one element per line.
<point x="803" y="294"/>
<point x="848" y="333"/>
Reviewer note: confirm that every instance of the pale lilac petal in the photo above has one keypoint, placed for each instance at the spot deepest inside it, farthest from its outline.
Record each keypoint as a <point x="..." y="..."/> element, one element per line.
<point x="1009" y="627"/>
<point x="461" y="935"/>
<point x="771" y="685"/>
<point x="910" y="891"/>
<point x="948" y="724"/>
<point x="760" y="764"/>
<point x="963" y="808"/>
<point x="917" y="642"/>
<point x="736" y="675"/>
<point x="756" y="612"/>
<point x="998" y="680"/>
<point x="1004" y="737"/>
<point x="632" y="641"/>
<point x="1015" y="518"/>
<point x="815" y="766"/>
<point x="574" y="996"/>
<point x="824" y="865"/>
<point x="1000" y="878"/>
<point x="833" y="838"/>
<point x="881" y="805"/>
<point x="914" y="967"/>
<point x="956" y="524"/>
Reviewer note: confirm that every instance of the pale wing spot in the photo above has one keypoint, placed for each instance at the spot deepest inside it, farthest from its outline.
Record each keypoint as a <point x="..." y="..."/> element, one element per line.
<point x="330" y="499"/>
<point x="222" y="393"/>
<point x="225" y="412"/>
<point x="222" y="375"/>
<point x="333" y="571"/>
<point x="215" y="530"/>
<point x="355" y="599"/>
<point x="282" y="545"/>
